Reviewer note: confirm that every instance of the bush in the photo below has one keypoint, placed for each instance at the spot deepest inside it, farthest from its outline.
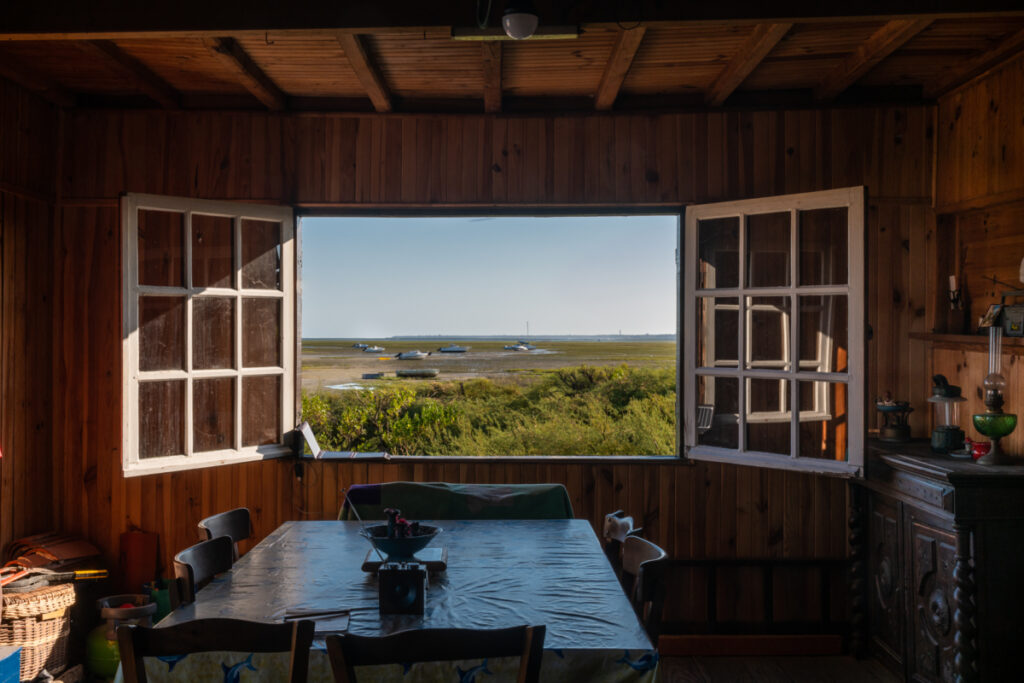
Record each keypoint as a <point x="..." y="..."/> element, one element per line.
<point x="571" y="411"/>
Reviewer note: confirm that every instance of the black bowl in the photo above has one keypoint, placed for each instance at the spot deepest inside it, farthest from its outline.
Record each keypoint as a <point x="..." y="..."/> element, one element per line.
<point x="399" y="549"/>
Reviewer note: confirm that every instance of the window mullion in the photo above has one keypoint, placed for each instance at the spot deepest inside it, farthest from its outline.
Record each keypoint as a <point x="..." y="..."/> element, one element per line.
<point x="237" y="273"/>
<point x="794" y="332"/>
<point x="742" y="348"/>
<point x="189" y="403"/>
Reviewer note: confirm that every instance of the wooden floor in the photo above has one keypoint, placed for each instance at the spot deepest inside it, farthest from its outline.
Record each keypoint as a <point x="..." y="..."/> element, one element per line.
<point x="773" y="670"/>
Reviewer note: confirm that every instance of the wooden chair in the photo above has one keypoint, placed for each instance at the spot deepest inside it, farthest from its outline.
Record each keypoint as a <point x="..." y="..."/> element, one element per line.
<point x="438" y="645"/>
<point x="643" y="575"/>
<point x="214" y="635"/>
<point x="194" y="567"/>
<point x="235" y="524"/>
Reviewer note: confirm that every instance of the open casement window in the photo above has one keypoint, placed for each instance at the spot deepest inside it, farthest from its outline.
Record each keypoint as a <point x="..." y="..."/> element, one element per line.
<point x="209" y="297"/>
<point x="773" y="330"/>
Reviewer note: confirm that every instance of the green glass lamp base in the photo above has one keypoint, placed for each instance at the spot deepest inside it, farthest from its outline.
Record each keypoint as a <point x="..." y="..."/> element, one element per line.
<point x="995" y="426"/>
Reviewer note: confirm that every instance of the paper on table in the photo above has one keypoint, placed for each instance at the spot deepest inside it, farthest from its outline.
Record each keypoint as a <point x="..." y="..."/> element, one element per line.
<point x="328" y="621"/>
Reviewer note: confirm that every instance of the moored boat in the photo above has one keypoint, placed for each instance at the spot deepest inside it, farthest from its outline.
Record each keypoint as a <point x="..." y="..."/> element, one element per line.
<point x="412" y="355"/>
<point x="373" y="349"/>
<point x="453" y="348"/>
<point x="516" y="347"/>
<point x="359" y="345"/>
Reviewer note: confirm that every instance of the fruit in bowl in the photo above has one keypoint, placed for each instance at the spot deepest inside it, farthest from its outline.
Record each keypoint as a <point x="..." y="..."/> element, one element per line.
<point x="400" y="539"/>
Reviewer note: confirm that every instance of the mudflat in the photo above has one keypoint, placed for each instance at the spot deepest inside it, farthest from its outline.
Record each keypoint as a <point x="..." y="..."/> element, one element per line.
<point x="327" y="363"/>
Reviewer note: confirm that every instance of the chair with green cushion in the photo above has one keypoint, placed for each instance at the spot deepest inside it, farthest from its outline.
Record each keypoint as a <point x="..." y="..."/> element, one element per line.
<point x="443" y="500"/>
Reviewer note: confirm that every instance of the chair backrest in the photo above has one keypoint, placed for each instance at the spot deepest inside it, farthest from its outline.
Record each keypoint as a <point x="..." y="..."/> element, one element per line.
<point x="235" y="524"/>
<point x="445" y="500"/>
<point x="195" y="566"/>
<point x="643" y="573"/>
<point x="213" y="635"/>
<point x="438" y="645"/>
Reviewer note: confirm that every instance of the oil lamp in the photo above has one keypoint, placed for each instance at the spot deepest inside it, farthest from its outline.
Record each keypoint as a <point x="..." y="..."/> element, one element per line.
<point x="994" y="423"/>
<point x="946" y="399"/>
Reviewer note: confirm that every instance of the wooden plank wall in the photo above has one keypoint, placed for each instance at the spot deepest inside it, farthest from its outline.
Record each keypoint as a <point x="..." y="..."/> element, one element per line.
<point x="28" y="131"/>
<point x="480" y="161"/>
<point x="980" y="189"/>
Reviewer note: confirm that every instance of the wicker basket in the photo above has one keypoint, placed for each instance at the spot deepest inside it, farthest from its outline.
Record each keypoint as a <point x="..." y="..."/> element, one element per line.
<point x="37" y="622"/>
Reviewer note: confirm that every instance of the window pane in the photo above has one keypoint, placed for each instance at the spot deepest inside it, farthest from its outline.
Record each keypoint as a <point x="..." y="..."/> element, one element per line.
<point x="161" y="333"/>
<point x="212" y="251"/>
<point x="213" y="332"/>
<point x="768" y="250"/>
<point x="717" y="339"/>
<point x="823" y="248"/>
<point x="823" y="420"/>
<point x="261" y="333"/>
<point x="768" y="332"/>
<point x="161" y="419"/>
<point x="823" y="333"/>
<point x="718" y="251"/>
<point x="261" y="254"/>
<point x="768" y="420"/>
<point x="722" y="395"/>
<point x="261" y="410"/>
<point x="161" y="248"/>
<point x="213" y="407"/>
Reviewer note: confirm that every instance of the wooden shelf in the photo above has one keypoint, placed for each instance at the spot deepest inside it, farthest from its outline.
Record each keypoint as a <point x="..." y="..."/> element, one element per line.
<point x="969" y="342"/>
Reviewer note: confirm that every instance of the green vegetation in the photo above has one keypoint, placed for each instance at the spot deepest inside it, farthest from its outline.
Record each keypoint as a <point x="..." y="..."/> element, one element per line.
<point x="583" y="410"/>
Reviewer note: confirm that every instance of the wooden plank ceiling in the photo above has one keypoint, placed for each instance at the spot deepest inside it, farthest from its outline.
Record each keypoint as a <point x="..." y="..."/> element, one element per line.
<point x="643" y="65"/>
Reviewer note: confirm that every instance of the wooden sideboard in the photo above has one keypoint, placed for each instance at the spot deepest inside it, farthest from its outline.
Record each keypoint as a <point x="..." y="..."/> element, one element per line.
<point x="938" y="564"/>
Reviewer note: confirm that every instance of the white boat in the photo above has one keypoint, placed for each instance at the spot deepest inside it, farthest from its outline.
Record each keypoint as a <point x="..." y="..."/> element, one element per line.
<point x="516" y="347"/>
<point x="358" y="345"/>
<point x="373" y="349"/>
<point x="529" y="346"/>
<point x="412" y="355"/>
<point x="453" y="348"/>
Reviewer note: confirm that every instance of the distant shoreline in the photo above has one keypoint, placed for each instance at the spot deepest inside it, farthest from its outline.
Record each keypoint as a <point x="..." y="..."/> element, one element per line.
<point x="505" y="337"/>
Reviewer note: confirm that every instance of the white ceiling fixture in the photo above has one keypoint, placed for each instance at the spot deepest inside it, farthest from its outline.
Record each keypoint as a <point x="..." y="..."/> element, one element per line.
<point x="520" y="19"/>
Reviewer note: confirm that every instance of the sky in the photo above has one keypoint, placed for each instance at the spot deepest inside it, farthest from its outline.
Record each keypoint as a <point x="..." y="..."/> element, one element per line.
<point x="368" y="277"/>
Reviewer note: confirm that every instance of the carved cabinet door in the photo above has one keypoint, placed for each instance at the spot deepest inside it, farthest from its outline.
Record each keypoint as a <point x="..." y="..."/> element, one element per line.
<point x="885" y="583"/>
<point x="932" y="553"/>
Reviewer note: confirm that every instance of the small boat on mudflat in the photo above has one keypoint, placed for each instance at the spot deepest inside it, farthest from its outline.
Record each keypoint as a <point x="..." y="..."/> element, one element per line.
<point x="529" y="346"/>
<point x="373" y="349"/>
<point x="359" y="345"/>
<point x="419" y="373"/>
<point x="516" y="347"/>
<point x="453" y="348"/>
<point x="412" y="355"/>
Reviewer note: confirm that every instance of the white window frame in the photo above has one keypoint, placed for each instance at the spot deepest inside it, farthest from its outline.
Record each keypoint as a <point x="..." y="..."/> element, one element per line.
<point x="853" y="199"/>
<point x="131" y="291"/>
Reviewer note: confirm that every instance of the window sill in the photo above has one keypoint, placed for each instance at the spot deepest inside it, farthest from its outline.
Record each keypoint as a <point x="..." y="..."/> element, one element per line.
<point x="505" y="459"/>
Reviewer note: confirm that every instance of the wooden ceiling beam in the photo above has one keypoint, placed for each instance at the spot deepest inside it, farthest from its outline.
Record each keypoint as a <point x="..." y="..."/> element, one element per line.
<point x="154" y="87"/>
<point x="617" y="67"/>
<point x="30" y="79"/>
<point x="366" y="71"/>
<point x="251" y="76"/>
<point x="492" y="75"/>
<point x="1006" y="49"/>
<point x="762" y="40"/>
<point x="880" y="45"/>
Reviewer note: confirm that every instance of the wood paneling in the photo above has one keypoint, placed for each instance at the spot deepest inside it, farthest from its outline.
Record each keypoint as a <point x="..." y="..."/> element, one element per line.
<point x="482" y="161"/>
<point x="980" y="183"/>
<point x="981" y="142"/>
<point x="28" y="129"/>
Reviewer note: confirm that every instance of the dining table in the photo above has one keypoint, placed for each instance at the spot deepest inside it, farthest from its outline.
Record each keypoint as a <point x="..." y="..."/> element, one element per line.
<point x="499" y="573"/>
